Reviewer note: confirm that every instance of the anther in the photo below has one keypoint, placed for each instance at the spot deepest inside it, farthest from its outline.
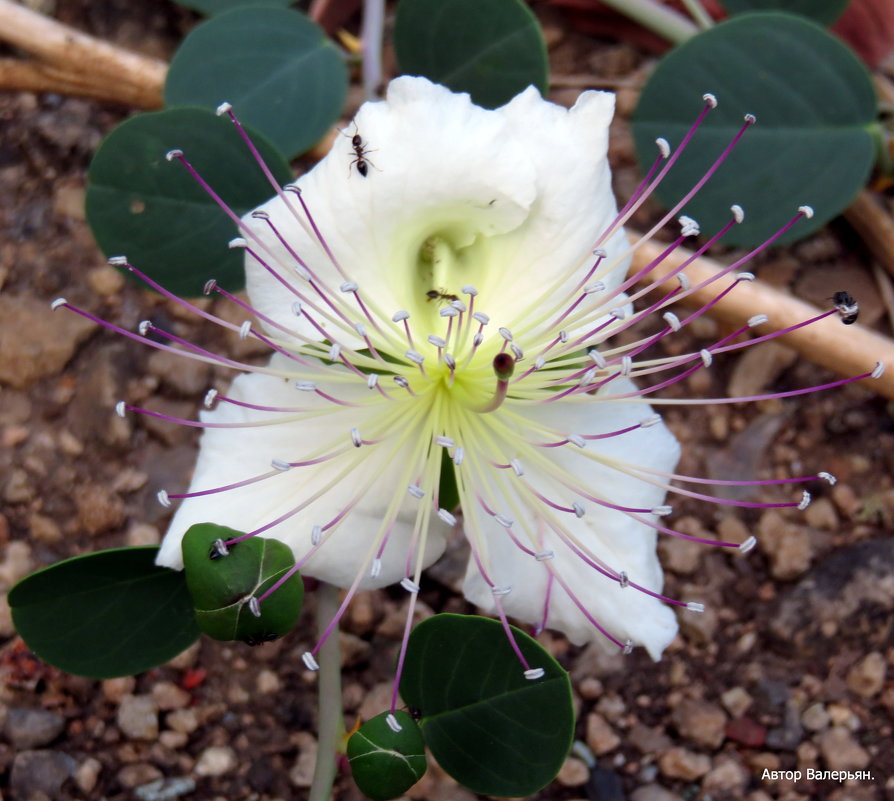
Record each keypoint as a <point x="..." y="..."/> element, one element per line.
<point x="281" y="465"/>
<point x="392" y="723"/>
<point x="597" y="358"/>
<point x="355" y="437"/>
<point x="145" y="327"/>
<point x="306" y="386"/>
<point x="516" y="351"/>
<point x="597" y="286"/>
<point x="517" y="468"/>
<point x="579" y="510"/>
<point x="654" y="420"/>
<point x="662" y="511"/>
<point x="477" y="340"/>
<point x="296" y="308"/>
<point x="505" y="333"/>
<point x="707" y="358"/>
<point x="746" y="276"/>
<point x="57" y="303"/>
<point x="623" y="579"/>
<point x="316" y="534"/>
<point x="664" y="147"/>
<point x="468" y="289"/>
<point x="481" y="317"/>
<point x="415" y="356"/>
<point x="618" y="314"/>
<point x="879" y="370"/>
<point x="805" y="501"/>
<point x="372" y="380"/>
<point x="399" y="316"/>
<point x="672" y="321"/>
<point x="450" y="361"/>
<point x="223" y="108"/>
<point x="458" y="305"/>
<point x="807" y="211"/>
<point x="120" y="408"/>
<point x="750" y="119"/>
<point x="539" y="362"/>
<point x="458" y="455"/>
<point x="563" y="336"/>
<point x="237" y="242"/>
<point x="683" y="281"/>
<point x="260" y="214"/>
<point x="626" y="365"/>
<point x="438" y="342"/>
<point x="600" y="253"/>
<point x="444" y="442"/>
<point x="309" y="662"/>
<point x="245" y="329"/>
<point x="758" y="319"/>
<point x="416" y="491"/>
<point x="578" y="440"/>
<point x="448" y="311"/>
<point x="210" y="286"/>
<point x="688" y="226"/>
<point x="219" y="549"/>
<point x="334" y="352"/>
<point x="401" y="381"/>
<point x="747" y="545"/>
<point x="505" y="522"/>
<point x="349" y="286"/>
<point x="738" y="212"/>
<point x="503" y="589"/>
<point x="828" y="477"/>
<point x="117" y="261"/>
<point x="532" y="674"/>
<point x="173" y="154"/>
<point x="254" y="606"/>
<point x="409" y="585"/>
<point x="375" y="568"/>
<point x="360" y="328"/>
<point x="628" y="648"/>
<point x="163" y="498"/>
<point x="710" y="99"/>
<point x="448" y="518"/>
<point x="544" y="556"/>
<point x="695" y="606"/>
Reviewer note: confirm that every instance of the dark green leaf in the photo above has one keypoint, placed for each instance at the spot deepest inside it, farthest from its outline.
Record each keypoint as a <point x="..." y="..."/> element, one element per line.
<point x="153" y="211"/>
<point x="488" y="726"/>
<point x="823" y="11"/>
<point x="277" y="68"/>
<point x="815" y="106"/>
<point x="448" y="493"/>
<point x="212" y="7"/>
<point x="106" y="614"/>
<point x="222" y="587"/>
<point x="492" y="49"/>
<point x="385" y="763"/>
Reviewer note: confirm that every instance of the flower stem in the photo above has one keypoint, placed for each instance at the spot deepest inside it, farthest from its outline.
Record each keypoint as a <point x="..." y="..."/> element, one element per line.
<point x="331" y="725"/>
<point x="371" y="36"/>
<point x="657" y="18"/>
<point x="697" y="12"/>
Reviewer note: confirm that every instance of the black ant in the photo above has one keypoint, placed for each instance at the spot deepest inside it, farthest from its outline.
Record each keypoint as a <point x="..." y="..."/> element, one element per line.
<point x="848" y="308"/>
<point x="441" y="295"/>
<point x="359" y="154"/>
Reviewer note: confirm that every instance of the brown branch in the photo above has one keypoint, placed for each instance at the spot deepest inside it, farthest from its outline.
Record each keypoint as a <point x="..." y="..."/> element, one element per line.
<point x="874" y="224"/>
<point x="846" y="350"/>
<point x="75" y="63"/>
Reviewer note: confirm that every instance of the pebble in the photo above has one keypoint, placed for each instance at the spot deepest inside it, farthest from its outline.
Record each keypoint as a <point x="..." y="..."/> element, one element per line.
<point x="648" y="740"/>
<point x="115" y="689"/>
<point x="216" y="761"/>
<point x="165" y="789"/>
<point x="169" y="696"/>
<point x="726" y="776"/>
<point x="867" y="677"/>
<point x="87" y="774"/>
<point x="174" y="740"/>
<point x="268" y="682"/>
<point x="138" y="717"/>
<point x="679" y="555"/>
<point x="141" y="534"/>
<point x="821" y="514"/>
<point x="302" y="772"/>
<point x="7" y="628"/>
<point x="737" y="701"/>
<point x="18" y="487"/>
<point x="17" y="563"/>
<point x="185" y="721"/>
<point x="35" y="342"/>
<point x="185" y="376"/>
<point x="377" y="699"/>
<point x="700" y="722"/>
<point x="841" y="751"/>
<point x="815" y="718"/>
<point x="31" y="728"/>
<point x="787" y="736"/>
<point x="601" y="737"/>
<point x="758" y="367"/>
<point x="680" y="763"/>
<point x="787" y="545"/>
<point x="42" y="771"/>
<point x="105" y="280"/>
<point x="139" y="773"/>
<point x="573" y="773"/>
<point x="747" y="732"/>
<point x="99" y="509"/>
<point x="653" y="792"/>
<point x="186" y="658"/>
<point x="44" y="529"/>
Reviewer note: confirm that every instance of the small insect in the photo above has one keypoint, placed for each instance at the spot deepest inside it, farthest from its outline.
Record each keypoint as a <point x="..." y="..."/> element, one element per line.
<point x="360" y="152"/>
<point x="848" y="308"/>
<point x="441" y="295"/>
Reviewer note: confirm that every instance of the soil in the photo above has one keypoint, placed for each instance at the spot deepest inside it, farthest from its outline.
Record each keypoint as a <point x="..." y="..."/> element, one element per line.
<point x="789" y="669"/>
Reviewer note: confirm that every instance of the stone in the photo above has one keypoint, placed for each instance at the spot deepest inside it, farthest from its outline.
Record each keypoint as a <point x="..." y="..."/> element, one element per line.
<point x="815" y="718"/>
<point x="105" y="280"/>
<point x="787" y="545"/>
<point x="35" y="342"/>
<point x="573" y="773"/>
<point x="138" y="717"/>
<point x="40" y="772"/>
<point x="648" y="740"/>
<point x="174" y="740"/>
<point x="185" y="721"/>
<point x="165" y="789"/>
<point x="268" y="682"/>
<point x="758" y="367"/>
<point x="679" y="555"/>
<point x="216" y="761"/>
<point x="653" y="792"/>
<point x="841" y="751"/>
<point x="99" y="509"/>
<point x="17" y="563"/>
<point x="867" y="677"/>
<point x="44" y="529"/>
<point x="700" y="722"/>
<point x="115" y="689"/>
<point x="788" y="736"/>
<point x="183" y="375"/>
<point x="736" y="700"/>
<point x="821" y="514"/>
<point x="726" y="776"/>
<point x="747" y="732"/>
<point x="18" y="487"/>
<point x="601" y="737"/>
<point x="87" y="774"/>
<point x="169" y="696"/>
<point x="302" y="772"/>
<point x="140" y="534"/>
<point x="138" y="774"/>
<point x="31" y="728"/>
<point x="680" y="763"/>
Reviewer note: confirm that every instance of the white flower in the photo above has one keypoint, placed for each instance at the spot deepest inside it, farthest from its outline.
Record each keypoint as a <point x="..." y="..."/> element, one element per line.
<point x="388" y="297"/>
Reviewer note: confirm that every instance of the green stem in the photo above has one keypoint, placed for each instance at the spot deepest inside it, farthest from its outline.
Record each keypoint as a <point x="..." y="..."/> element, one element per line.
<point x="660" y="19"/>
<point x="697" y="12"/>
<point x="330" y="721"/>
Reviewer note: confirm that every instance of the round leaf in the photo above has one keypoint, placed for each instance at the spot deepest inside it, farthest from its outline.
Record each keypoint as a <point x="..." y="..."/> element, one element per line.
<point x="212" y="7"/>
<point x="277" y="68"/>
<point x="488" y="726"/>
<point x="223" y="586"/>
<point x="492" y="49"/>
<point x="823" y="11"/>
<point x="153" y="211"/>
<point x="815" y="106"/>
<point x="385" y="763"/>
<point x="106" y="614"/>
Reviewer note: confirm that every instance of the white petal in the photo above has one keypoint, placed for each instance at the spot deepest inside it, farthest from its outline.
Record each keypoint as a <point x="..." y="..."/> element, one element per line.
<point x="618" y="541"/>
<point x="230" y="455"/>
